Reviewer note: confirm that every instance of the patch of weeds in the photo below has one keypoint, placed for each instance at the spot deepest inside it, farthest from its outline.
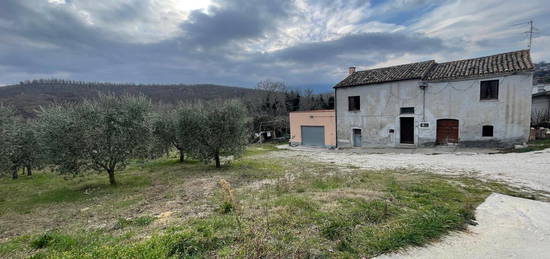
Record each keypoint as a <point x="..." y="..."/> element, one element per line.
<point x="136" y="222"/>
<point x="42" y="240"/>
<point x="352" y="213"/>
<point x="297" y="203"/>
<point x="226" y="207"/>
<point x="259" y="149"/>
<point x="327" y="183"/>
<point x="11" y="248"/>
<point x="195" y="243"/>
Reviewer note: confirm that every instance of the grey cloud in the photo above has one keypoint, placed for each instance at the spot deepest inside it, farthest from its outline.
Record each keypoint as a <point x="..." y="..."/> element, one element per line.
<point x="86" y="52"/>
<point x="360" y="44"/>
<point x="234" y="20"/>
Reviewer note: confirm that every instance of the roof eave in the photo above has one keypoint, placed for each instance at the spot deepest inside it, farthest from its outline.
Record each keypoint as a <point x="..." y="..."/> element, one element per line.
<point x="375" y="83"/>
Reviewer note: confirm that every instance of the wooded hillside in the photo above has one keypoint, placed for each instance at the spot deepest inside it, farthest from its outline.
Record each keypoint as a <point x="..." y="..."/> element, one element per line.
<point x="28" y="96"/>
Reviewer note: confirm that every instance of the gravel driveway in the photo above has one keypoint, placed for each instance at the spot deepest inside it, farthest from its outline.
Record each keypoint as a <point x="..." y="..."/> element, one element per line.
<point x="531" y="169"/>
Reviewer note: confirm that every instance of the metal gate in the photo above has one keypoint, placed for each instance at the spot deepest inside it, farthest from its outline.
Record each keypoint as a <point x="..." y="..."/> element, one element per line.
<point x="313" y="136"/>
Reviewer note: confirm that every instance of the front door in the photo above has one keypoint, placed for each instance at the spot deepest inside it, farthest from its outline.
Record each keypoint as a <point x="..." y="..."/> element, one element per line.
<point x="447" y="131"/>
<point x="356" y="137"/>
<point x="407" y="130"/>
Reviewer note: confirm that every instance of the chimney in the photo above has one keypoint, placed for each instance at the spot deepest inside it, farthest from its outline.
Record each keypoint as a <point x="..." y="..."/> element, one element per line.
<point x="351" y="70"/>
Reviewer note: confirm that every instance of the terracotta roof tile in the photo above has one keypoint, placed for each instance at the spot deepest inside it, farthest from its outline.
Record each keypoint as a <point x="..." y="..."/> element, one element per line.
<point x="431" y="71"/>
<point x="497" y="64"/>
<point x="387" y="74"/>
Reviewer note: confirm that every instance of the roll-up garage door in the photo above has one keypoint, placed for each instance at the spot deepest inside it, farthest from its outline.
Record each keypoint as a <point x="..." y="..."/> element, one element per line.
<point x="313" y="136"/>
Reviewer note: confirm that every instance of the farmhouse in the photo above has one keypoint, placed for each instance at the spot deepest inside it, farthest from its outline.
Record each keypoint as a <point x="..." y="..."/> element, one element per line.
<point x="482" y="101"/>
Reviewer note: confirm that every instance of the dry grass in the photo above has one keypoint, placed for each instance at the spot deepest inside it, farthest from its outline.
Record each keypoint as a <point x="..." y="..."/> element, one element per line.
<point x="255" y="207"/>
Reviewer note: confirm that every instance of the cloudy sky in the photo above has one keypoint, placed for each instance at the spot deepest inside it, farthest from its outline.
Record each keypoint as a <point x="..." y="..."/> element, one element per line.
<point x="305" y="43"/>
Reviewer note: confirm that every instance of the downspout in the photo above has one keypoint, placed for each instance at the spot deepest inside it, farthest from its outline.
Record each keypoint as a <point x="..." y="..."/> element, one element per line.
<point x="423" y="86"/>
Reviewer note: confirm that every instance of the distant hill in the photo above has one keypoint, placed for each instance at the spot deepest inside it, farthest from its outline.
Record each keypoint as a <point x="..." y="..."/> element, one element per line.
<point x="28" y="96"/>
<point x="542" y="73"/>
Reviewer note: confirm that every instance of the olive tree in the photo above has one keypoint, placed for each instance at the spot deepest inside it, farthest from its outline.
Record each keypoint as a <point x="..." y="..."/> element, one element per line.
<point x="178" y="128"/>
<point x="101" y="135"/>
<point x="20" y="149"/>
<point x="28" y="154"/>
<point x="7" y="148"/>
<point x="224" y="131"/>
<point x="164" y="131"/>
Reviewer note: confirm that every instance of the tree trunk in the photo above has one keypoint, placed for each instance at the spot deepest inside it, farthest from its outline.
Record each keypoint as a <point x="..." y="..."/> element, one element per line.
<point x="217" y="158"/>
<point x="112" y="180"/>
<point x="14" y="174"/>
<point x="29" y="171"/>
<point x="182" y="155"/>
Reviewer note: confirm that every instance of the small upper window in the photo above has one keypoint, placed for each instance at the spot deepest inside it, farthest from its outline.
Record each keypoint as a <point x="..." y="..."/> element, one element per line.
<point x="354" y="103"/>
<point x="489" y="90"/>
<point x="407" y="110"/>
<point x="487" y="131"/>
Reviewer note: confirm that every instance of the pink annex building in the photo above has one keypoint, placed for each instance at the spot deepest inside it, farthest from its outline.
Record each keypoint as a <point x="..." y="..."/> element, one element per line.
<point x="313" y="128"/>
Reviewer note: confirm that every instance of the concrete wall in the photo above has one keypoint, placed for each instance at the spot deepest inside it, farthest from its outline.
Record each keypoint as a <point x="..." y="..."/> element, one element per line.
<point x="313" y="118"/>
<point x="381" y="103"/>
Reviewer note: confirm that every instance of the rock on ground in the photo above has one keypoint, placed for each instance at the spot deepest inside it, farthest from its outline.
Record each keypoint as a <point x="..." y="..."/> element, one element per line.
<point x="508" y="227"/>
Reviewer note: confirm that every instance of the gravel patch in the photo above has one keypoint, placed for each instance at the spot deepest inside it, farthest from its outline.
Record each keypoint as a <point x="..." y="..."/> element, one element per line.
<point x="525" y="170"/>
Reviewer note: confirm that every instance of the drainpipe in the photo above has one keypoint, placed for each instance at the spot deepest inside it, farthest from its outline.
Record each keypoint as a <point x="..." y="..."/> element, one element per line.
<point x="336" y="117"/>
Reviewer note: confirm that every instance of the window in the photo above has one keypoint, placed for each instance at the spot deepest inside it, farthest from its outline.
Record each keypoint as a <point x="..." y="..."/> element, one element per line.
<point x="407" y="110"/>
<point x="489" y="90"/>
<point x="487" y="131"/>
<point x="354" y="103"/>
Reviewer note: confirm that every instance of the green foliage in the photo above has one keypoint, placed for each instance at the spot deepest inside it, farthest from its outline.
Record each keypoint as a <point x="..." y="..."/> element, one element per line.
<point x="318" y="211"/>
<point x="20" y="147"/>
<point x="178" y="127"/>
<point x="42" y="241"/>
<point x="137" y="222"/>
<point x="101" y="135"/>
<point x="223" y="131"/>
<point x="8" y="122"/>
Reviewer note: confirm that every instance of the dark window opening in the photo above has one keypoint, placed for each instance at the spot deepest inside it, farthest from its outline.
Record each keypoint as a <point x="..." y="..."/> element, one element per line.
<point x="487" y="131"/>
<point x="407" y="110"/>
<point x="354" y="103"/>
<point x="489" y="90"/>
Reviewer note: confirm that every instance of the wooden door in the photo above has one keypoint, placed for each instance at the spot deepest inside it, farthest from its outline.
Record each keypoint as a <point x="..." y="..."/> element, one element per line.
<point x="447" y="131"/>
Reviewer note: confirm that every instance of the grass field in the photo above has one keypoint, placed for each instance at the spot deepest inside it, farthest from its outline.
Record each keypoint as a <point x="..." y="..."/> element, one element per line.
<point x="257" y="206"/>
